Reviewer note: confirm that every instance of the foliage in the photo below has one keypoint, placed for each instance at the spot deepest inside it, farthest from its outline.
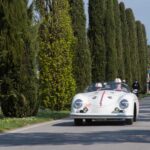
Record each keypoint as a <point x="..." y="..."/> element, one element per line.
<point x="141" y="49"/>
<point x="110" y="36"/>
<point x="118" y="41"/>
<point x="146" y="53"/>
<point x="148" y="56"/>
<point x="96" y="34"/>
<point x="82" y="57"/>
<point x="113" y="42"/>
<point x="17" y="60"/>
<point x="125" y="42"/>
<point x="57" y="85"/>
<point x="134" y="55"/>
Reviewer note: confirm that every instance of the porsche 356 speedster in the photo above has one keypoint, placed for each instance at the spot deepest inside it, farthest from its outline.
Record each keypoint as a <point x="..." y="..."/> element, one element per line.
<point x="109" y="102"/>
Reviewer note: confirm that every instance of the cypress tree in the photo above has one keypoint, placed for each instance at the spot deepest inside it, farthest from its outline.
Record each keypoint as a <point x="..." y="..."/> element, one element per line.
<point x="2" y="51"/>
<point x="82" y="57"/>
<point x="145" y="63"/>
<point x="18" y="60"/>
<point x="141" y="48"/>
<point x="125" y="42"/>
<point x="148" y="57"/>
<point x="119" y="45"/>
<point x="111" y="69"/>
<point x="145" y="45"/>
<point x="57" y="85"/>
<point x="96" y="34"/>
<point x="134" y="56"/>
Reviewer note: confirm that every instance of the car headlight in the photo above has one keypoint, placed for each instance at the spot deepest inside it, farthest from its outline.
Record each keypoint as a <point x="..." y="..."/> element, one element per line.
<point x="124" y="104"/>
<point x="78" y="103"/>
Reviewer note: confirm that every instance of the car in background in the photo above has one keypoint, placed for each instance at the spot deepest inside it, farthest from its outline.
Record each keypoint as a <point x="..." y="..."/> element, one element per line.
<point x="109" y="101"/>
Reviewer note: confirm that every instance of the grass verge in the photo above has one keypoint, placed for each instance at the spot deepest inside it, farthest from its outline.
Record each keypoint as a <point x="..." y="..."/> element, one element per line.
<point x="144" y="95"/>
<point x="42" y="116"/>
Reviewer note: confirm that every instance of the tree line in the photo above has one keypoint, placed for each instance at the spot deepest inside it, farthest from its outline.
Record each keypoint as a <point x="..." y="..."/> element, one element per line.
<point x="118" y="43"/>
<point x="47" y="54"/>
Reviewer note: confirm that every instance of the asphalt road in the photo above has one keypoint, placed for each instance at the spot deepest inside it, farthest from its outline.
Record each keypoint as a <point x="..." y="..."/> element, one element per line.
<point x="63" y="135"/>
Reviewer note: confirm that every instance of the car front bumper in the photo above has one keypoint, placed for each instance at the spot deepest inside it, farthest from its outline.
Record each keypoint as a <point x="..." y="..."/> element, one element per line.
<point x="103" y="117"/>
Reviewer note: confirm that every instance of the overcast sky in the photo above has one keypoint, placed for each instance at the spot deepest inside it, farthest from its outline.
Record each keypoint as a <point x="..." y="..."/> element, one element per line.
<point x="141" y="10"/>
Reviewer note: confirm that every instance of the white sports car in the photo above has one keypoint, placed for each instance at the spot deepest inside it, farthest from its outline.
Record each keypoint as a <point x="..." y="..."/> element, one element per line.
<point x="107" y="103"/>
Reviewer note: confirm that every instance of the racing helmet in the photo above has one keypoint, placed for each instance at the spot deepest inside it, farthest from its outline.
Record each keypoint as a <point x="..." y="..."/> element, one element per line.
<point x="117" y="80"/>
<point x="124" y="81"/>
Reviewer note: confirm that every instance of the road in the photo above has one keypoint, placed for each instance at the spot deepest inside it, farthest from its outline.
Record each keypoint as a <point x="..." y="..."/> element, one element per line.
<point x="63" y="135"/>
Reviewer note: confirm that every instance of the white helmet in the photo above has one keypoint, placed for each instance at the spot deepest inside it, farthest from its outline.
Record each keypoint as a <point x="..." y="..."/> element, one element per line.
<point x="118" y="80"/>
<point x="98" y="85"/>
<point x="124" y="81"/>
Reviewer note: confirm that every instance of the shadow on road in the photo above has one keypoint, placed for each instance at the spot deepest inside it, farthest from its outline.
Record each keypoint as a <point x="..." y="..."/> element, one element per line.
<point x="93" y="123"/>
<point x="107" y="137"/>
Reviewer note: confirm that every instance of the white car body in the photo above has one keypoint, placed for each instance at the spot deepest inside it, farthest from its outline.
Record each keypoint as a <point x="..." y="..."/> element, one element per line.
<point x="105" y="104"/>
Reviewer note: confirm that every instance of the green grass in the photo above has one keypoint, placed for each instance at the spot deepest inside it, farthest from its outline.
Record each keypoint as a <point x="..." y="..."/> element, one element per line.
<point x="42" y="116"/>
<point x="144" y="95"/>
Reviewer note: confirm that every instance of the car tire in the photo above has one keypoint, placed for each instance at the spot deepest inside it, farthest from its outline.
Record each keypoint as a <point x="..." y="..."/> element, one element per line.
<point x="129" y="121"/>
<point x="135" y="116"/>
<point x="78" y="122"/>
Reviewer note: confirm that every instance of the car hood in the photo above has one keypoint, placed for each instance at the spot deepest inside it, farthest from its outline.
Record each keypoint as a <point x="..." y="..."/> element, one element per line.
<point x="102" y="98"/>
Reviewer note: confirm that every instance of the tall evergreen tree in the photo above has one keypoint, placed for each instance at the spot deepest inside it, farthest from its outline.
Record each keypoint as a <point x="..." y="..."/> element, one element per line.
<point x="110" y="36"/>
<point x="134" y="56"/>
<point x="57" y="85"/>
<point x="119" y="45"/>
<point x="141" y="49"/>
<point x="145" y="45"/>
<point x="148" y="47"/>
<point x="146" y="57"/>
<point x="96" y="34"/>
<point x="82" y="57"/>
<point x="125" y="42"/>
<point x="17" y="60"/>
<point x="2" y="52"/>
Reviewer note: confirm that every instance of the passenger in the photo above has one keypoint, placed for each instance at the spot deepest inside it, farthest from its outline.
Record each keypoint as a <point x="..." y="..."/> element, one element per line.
<point x="98" y="86"/>
<point x="118" y="84"/>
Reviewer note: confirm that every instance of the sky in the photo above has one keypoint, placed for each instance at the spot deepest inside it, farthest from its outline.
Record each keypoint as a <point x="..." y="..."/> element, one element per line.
<point x="141" y="10"/>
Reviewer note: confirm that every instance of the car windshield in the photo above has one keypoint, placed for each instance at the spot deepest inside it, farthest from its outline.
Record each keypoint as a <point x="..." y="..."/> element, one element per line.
<point x="108" y="86"/>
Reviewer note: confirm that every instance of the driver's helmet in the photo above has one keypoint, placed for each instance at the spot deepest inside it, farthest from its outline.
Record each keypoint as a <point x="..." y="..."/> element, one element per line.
<point x="124" y="81"/>
<point x="117" y="80"/>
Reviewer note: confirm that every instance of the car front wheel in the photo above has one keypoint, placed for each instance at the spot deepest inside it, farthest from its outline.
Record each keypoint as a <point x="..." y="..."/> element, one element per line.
<point x="129" y="121"/>
<point x="78" y="122"/>
<point x="135" y="116"/>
